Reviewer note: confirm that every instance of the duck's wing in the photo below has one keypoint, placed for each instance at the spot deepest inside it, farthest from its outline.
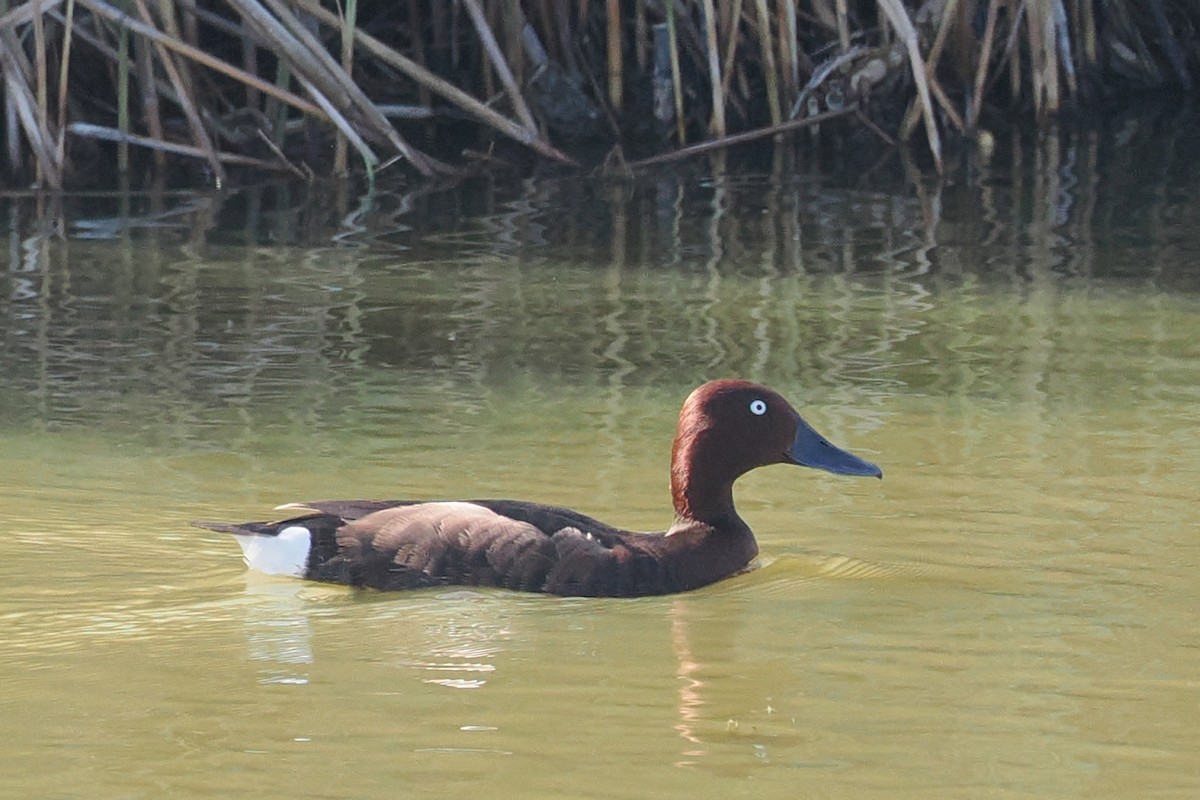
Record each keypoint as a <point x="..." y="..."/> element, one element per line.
<point x="437" y="543"/>
<point x="510" y="544"/>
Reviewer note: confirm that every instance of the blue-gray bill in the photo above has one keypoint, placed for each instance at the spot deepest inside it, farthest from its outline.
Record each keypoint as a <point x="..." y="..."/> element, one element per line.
<point x="811" y="449"/>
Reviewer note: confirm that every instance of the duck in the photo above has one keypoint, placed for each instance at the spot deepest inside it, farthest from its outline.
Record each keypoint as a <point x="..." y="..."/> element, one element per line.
<point x="726" y="428"/>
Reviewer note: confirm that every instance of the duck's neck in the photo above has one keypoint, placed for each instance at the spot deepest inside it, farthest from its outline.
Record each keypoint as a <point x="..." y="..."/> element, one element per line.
<point x="699" y="492"/>
<point x="699" y="501"/>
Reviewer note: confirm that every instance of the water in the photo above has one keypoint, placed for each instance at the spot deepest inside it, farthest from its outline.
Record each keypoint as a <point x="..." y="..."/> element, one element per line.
<point x="1011" y="613"/>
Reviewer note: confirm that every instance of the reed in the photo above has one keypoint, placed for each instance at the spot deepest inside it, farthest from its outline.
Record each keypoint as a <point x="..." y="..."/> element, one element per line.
<point x="769" y="70"/>
<point x="349" y="22"/>
<point x="123" y="100"/>
<point x="674" y="88"/>
<point x="298" y="84"/>
<point x="716" y="85"/>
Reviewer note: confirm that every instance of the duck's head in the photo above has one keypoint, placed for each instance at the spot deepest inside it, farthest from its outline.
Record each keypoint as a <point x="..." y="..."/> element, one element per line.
<point x="729" y="427"/>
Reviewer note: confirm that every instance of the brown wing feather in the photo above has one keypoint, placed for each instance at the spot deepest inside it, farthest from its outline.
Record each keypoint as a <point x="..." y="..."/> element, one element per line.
<point x="431" y="544"/>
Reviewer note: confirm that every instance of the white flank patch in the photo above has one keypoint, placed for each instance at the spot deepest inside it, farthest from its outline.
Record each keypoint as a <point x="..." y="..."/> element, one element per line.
<point x="283" y="554"/>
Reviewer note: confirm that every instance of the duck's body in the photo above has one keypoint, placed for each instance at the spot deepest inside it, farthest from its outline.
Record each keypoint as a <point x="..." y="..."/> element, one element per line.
<point x="397" y="544"/>
<point x="725" y="429"/>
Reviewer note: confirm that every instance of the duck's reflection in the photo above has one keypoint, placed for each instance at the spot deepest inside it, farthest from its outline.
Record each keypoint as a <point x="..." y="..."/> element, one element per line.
<point x="278" y="631"/>
<point x="690" y="701"/>
<point x="451" y="638"/>
<point x="458" y="640"/>
<point x="461" y="641"/>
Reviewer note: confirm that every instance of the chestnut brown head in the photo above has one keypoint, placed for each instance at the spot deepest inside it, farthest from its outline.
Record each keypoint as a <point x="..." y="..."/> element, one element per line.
<point x="729" y="427"/>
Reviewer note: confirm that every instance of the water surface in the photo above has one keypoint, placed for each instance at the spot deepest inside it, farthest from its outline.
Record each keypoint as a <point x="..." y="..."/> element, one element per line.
<point x="1011" y="613"/>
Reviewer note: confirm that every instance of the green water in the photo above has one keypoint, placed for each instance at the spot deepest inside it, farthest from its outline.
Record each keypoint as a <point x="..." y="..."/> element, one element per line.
<point x="1013" y="612"/>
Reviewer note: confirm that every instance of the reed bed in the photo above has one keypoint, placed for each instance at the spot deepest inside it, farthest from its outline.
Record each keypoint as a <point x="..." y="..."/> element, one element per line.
<point x="93" y="88"/>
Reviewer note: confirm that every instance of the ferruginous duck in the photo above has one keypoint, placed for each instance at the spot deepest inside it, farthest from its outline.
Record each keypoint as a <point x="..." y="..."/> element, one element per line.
<point x="726" y="428"/>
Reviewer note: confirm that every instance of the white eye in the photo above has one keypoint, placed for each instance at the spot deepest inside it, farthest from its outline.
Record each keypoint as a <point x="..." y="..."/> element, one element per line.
<point x="758" y="407"/>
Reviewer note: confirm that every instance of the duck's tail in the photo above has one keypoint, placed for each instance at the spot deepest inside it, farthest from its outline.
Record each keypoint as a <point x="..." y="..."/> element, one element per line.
<point x="279" y="548"/>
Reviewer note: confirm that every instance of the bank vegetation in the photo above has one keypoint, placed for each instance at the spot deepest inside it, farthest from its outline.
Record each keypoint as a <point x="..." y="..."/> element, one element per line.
<point x="93" y="89"/>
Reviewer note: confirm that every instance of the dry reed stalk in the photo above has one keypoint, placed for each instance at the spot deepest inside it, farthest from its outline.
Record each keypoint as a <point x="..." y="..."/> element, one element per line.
<point x="944" y="101"/>
<point x="349" y="23"/>
<point x="1037" y="55"/>
<point x="275" y="111"/>
<point x="334" y="114"/>
<point x="717" y="125"/>
<point x="439" y="86"/>
<point x="104" y="9"/>
<point x="513" y="21"/>
<point x="676" y="78"/>
<point x="1065" y="56"/>
<point x="939" y="41"/>
<point x="16" y="71"/>
<point x="274" y="148"/>
<point x="1087" y="22"/>
<point x="1008" y="62"/>
<point x="123" y="99"/>
<point x="903" y="26"/>
<point x="641" y="35"/>
<point x="146" y="86"/>
<point x="88" y="130"/>
<point x="843" y="25"/>
<point x="768" y="52"/>
<point x="191" y="31"/>
<point x="329" y="86"/>
<point x="1043" y="69"/>
<point x="40" y="76"/>
<point x="742" y="138"/>
<point x="170" y="26"/>
<point x="824" y="13"/>
<point x="63" y="82"/>
<point x="487" y="75"/>
<point x="875" y="129"/>
<point x="981" y="69"/>
<point x="417" y="41"/>
<point x="27" y="106"/>
<point x="931" y="62"/>
<point x="185" y="99"/>
<point x="1136" y="53"/>
<point x="616" y="83"/>
<point x="250" y="65"/>
<point x="308" y="56"/>
<point x="24" y="13"/>
<point x="789" y="49"/>
<point x="1013" y="53"/>
<point x="492" y="49"/>
<point x="147" y="80"/>
<point x="731" y="44"/>
<point x="1170" y="44"/>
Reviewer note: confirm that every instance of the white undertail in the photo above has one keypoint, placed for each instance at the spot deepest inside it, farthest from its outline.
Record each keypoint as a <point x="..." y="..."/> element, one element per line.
<point x="283" y="554"/>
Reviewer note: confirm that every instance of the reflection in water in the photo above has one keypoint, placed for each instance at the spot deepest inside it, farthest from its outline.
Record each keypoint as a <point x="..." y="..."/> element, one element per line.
<point x="690" y="701"/>
<point x="762" y="274"/>
<point x="462" y="648"/>
<point x="278" y="632"/>
<point x="453" y="644"/>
